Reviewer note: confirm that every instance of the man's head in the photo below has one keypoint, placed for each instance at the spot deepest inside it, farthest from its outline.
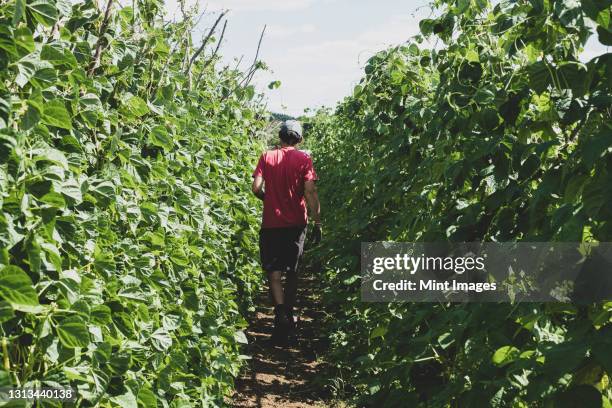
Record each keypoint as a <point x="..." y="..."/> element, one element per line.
<point x="290" y="132"/>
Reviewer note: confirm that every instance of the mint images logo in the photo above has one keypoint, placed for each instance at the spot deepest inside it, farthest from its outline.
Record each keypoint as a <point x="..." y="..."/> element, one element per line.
<point x="485" y="272"/>
<point x="405" y="263"/>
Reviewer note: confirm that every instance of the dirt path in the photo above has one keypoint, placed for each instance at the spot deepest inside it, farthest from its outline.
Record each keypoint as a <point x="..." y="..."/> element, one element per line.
<point x="283" y="377"/>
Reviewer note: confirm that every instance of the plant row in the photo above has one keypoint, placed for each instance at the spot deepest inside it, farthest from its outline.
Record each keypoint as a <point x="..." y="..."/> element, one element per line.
<point x="487" y="126"/>
<point x="127" y="238"/>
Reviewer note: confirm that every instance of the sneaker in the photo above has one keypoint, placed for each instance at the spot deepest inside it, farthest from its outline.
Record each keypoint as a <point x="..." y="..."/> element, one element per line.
<point x="280" y="332"/>
<point x="292" y="320"/>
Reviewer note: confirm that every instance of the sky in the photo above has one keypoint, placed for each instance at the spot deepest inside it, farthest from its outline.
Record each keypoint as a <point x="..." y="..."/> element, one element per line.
<point x="315" y="48"/>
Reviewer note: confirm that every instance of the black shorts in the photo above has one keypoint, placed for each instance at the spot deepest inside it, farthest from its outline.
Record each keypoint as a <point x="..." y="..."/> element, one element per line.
<point x="280" y="249"/>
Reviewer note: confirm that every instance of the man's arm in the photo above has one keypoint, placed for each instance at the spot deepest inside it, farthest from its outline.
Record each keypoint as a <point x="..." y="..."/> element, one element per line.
<point x="258" y="187"/>
<point x="312" y="200"/>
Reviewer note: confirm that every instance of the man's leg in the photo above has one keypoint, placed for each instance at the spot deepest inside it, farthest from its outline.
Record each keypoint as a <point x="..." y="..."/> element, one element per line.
<point x="291" y="278"/>
<point x="290" y="289"/>
<point x="276" y="288"/>
<point x="290" y="298"/>
<point x="281" y="321"/>
<point x="268" y="247"/>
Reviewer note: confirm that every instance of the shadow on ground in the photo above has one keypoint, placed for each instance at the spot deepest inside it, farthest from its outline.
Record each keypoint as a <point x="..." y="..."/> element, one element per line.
<point x="284" y="377"/>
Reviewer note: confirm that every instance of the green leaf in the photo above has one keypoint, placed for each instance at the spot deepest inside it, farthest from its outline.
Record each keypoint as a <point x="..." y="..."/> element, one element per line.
<point x="101" y="315"/>
<point x="127" y="400"/>
<point x="149" y="213"/>
<point x="71" y="189"/>
<point x="379" y="331"/>
<point x="426" y="26"/>
<point x="240" y="337"/>
<point x="120" y="362"/>
<point x="55" y="114"/>
<point x="136" y="106"/>
<point x="64" y="7"/>
<point x="171" y="322"/>
<point x="604" y="36"/>
<point x="563" y="358"/>
<point x="600" y="348"/>
<point x="8" y="235"/>
<point x="20" y="7"/>
<point x="505" y="355"/>
<point x="574" y="75"/>
<point x="274" y="85"/>
<point x="156" y="239"/>
<point x="44" y="77"/>
<point x="161" y="45"/>
<point x="179" y="257"/>
<point x="6" y="311"/>
<point x="472" y="56"/>
<point x="26" y="68"/>
<point x="539" y="76"/>
<point x="462" y="6"/>
<point x="57" y="55"/>
<point x="104" y="193"/>
<point x="105" y="264"/>
<point x="5" y="381"/>
<point x="24" y="39"/>
<point x="597" y="146"/>
<point x="603" y="18"/>
<point x="159" y="137"/>
<point x="147" y="398"/>
<point x="53" y="199"/>
<point x="53" y="255"/>
<point x="90" y="101"/>
<point x="5" y="111"/>
<point x="30" y="118"/>
<point x="45" y="153"/>
<point x="73" y="332"/>
<point x="90" y="117"/>
<point x="16" y="288"/>
<point x="44" y="12"/>
<point x="249" y="93"/>
<point x="161" y="340"/>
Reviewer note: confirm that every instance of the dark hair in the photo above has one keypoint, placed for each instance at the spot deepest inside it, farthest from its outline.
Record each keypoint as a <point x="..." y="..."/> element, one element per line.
<point x="289" y="136"/>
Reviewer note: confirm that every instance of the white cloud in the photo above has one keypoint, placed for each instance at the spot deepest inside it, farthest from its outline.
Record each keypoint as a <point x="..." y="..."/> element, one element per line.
<point x="322" y="74"/>
<point x="173" y="9"/>
<point x="258" y="5"/>
<point x="239" y="6"/>
<point x="314" y="67"/>
<point x="281" y="31"/>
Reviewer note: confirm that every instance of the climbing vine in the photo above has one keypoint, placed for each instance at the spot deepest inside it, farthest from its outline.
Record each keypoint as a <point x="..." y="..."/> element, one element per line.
<point x="127" y="238"/>
<point x="498" y="133"/>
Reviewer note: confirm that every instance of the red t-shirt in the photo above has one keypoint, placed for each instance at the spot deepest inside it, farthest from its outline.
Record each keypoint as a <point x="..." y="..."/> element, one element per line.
<point x="284" y="172"/>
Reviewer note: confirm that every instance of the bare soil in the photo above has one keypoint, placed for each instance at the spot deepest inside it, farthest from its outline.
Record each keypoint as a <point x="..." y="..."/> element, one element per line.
<point x="284" y="376"/>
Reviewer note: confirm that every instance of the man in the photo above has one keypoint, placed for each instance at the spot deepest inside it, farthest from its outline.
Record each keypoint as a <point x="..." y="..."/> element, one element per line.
<point x="289" y="180"/>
